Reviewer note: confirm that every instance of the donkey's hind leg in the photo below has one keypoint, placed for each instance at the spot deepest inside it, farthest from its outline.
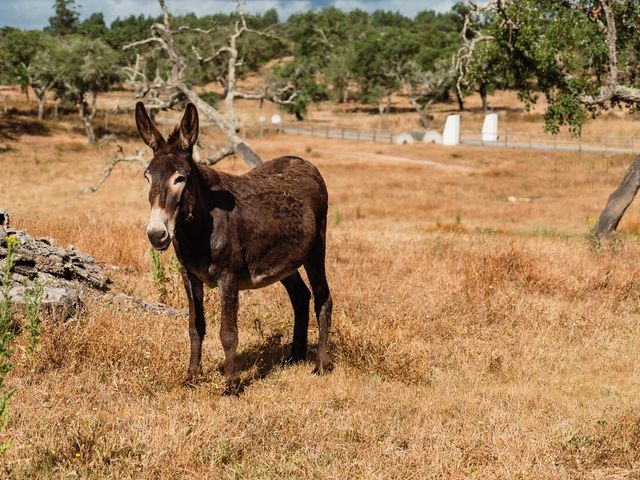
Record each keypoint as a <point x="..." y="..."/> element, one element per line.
<point x="299" y="295"/>
<point x="323" y="303"/>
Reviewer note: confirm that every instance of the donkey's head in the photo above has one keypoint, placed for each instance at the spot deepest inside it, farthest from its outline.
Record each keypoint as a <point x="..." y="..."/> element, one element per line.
<point x="170" y="173"/>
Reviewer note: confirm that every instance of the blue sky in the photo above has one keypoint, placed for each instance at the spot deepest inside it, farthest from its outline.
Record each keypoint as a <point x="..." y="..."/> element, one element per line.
<point x="36" y="13"/>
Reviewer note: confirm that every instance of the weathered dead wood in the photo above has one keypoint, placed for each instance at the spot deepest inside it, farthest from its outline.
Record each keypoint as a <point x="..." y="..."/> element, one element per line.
<point x="619" y="201"/>
<point x="39" y="258"/>
<point x="67" y="276"/>
<point x="58" y="303"/>
<point x="165" y="93"/>
<point x="122" y="300"/>
<point x="119" y="158"/>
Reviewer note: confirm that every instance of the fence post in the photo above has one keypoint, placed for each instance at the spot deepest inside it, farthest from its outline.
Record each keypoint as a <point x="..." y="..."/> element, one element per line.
<point x="327" y="131"/>
<point x="358" y="134"/>
<point x="374" y="134"/>
<point x="555" y="142"/>
<point x="342" y="133"/>
<point x="506" y="138"/>
<point x="5" y="107"/>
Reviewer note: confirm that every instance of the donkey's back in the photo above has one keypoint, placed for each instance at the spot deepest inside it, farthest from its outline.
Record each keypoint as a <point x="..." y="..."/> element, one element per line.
<point x="279" y="218"/>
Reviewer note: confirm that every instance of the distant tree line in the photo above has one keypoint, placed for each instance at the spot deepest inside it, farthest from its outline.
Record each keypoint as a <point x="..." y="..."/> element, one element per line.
<point x="562" y="50"/>
<point x="324" y="54"/>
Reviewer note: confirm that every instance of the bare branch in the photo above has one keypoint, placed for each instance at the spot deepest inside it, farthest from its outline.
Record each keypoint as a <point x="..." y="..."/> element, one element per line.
<point x="471" y="37"/>
<point x="164" y="93"/>
<point x="219" y="155"/>
<point x="612" y="94"/>
<point x="142" y="42"/>
<point x="120" y="158"/>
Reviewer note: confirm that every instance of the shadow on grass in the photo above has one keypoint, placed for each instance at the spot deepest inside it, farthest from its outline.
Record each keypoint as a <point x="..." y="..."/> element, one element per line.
<point x="14" y="126"/>
<point x="260" y="359"/>
<point x="6" y="149"/>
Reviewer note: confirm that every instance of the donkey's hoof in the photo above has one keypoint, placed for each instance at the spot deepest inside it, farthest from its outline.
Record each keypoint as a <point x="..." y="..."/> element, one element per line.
<point x="233" y="387"/>
<point x="322" y="368"/>
<point x="193" y="377"/>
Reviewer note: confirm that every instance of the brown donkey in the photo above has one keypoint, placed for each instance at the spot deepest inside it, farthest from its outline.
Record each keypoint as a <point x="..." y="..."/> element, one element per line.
<point x="238" y="232"/>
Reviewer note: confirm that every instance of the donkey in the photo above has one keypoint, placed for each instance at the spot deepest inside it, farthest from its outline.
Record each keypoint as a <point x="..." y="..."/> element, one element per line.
<point x="238" y="232"/>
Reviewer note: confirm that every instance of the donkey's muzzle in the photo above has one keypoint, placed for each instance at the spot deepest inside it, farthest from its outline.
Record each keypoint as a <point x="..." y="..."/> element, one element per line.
<point x="159" y="239"/>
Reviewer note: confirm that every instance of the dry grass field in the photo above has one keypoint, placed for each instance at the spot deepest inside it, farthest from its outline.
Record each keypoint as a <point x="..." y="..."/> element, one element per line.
<point x="476" y="332"/>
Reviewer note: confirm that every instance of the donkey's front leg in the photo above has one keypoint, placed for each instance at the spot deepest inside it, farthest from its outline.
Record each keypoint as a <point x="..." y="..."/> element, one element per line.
<point x="195" y="293"/>
<point x="229" y="329"/>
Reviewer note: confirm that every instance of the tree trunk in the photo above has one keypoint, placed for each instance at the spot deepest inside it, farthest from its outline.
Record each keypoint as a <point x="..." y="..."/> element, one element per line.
<point x="619" y="201"/>
<point x="41" y="101"/>
<point x="299" y="116"/>
<point x="483" y="95"/>
<point x="85" y="118"/>
<point x="40" y="96"/>
<point x="345" y="95"/>
<point x="388" y="103"/>
<point x="422" y="111"/>
<point x="460" y="101"/>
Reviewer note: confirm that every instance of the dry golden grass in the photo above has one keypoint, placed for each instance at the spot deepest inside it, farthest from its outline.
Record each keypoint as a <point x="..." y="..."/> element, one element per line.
<point x="475" y="337"/>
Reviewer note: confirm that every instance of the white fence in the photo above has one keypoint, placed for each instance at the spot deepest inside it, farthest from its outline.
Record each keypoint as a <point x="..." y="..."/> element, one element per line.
<point x="542" y="141"/>
<point x="327" y="131"/>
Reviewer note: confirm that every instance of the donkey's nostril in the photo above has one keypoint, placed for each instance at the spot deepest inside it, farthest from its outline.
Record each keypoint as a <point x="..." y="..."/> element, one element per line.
<point x="158" y="238"/>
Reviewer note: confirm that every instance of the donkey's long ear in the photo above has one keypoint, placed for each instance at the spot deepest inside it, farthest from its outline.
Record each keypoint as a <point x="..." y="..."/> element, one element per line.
<point x="147" y="130"/>
<point x="189" y="127"/>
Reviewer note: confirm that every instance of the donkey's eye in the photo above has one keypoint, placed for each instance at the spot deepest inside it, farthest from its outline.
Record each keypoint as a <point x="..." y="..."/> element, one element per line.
<point x="179" y="179"/>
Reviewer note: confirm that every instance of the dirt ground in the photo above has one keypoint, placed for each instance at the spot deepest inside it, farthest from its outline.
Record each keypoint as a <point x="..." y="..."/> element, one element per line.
<point x="477" y="334"/>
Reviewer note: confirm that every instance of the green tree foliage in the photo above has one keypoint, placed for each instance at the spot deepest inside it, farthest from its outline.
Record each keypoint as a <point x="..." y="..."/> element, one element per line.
<point x="373" y="53"/>
<point x="94" y="26"/>
<point x="323" y="45"/>
<point x="65" y="21"/>
<point x="327" y="53"/>
<point x="560" y="50"/>
<point x="374" y="64"/>
<point x="19" y="51"/>
<point x="303" y="83"/>
<point x="79" y="69"/>
<point x="127" y="30"/>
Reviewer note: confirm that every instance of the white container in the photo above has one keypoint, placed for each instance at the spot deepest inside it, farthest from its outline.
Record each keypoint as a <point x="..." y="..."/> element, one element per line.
<point x="490" y="128"/>
<point x="451" y="133"/>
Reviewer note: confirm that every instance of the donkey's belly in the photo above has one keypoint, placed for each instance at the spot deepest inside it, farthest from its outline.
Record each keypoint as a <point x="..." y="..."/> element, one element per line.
<point x="260" y="280"/>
